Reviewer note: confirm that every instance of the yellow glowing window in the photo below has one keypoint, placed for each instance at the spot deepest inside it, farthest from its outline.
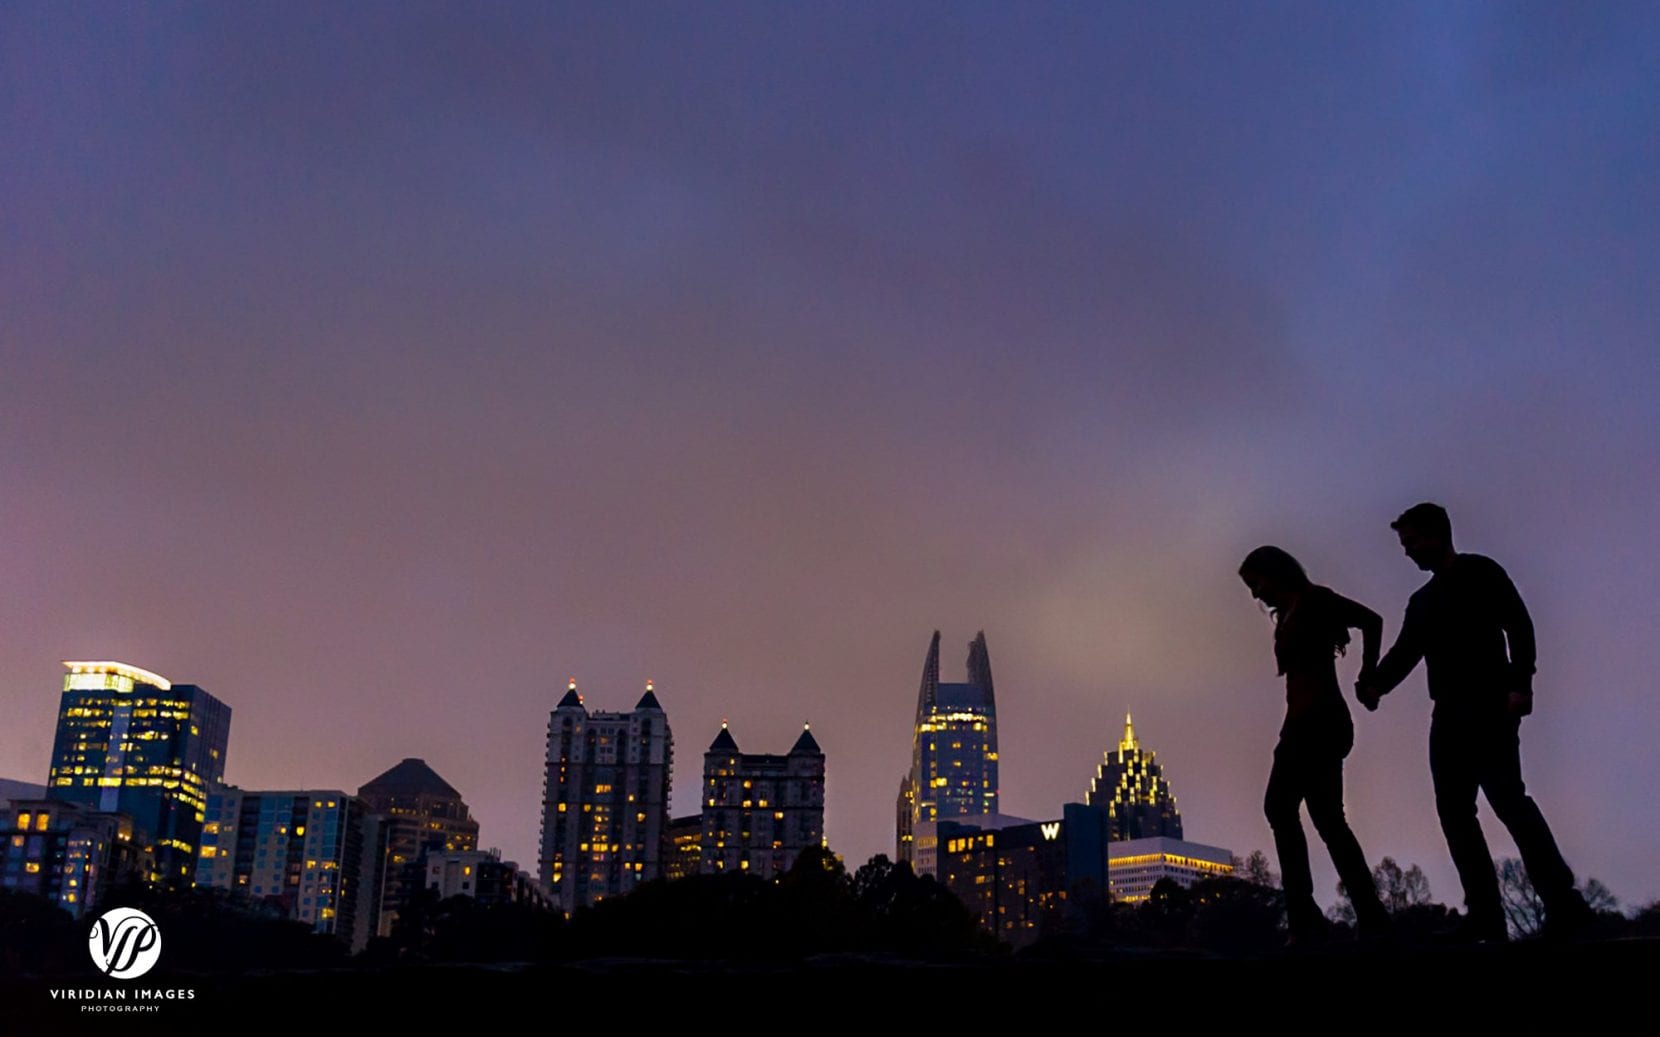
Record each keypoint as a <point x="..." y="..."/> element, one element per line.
<point x="32" y="867"/>
<point x="23" y="821"/>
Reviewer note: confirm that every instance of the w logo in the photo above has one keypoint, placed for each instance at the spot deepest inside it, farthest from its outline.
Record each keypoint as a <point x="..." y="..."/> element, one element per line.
<point x="125" y="943"/>
<point x="1050" y="829"/>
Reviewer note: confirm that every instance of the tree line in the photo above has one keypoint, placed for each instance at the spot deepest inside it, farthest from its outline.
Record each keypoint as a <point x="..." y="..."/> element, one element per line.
<point x="883" y="910"/>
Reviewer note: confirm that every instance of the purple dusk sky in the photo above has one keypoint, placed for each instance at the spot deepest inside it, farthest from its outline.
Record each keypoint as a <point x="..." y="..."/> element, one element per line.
<point x="379" y="367"/>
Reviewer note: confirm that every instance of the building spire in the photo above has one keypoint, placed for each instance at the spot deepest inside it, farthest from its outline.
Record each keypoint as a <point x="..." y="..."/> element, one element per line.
<point x="979" y="669"/>
<point x="928" y="694"/>
<point x="724" y="742"/>
<point x="1131" y="787"/>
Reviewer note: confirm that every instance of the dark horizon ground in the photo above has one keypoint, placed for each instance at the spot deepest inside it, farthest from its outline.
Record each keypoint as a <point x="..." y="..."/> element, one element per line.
<point x="1522" y="986"/>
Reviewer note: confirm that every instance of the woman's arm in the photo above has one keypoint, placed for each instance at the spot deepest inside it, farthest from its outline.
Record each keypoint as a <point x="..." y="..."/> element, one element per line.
<point x="1355" y="616"/>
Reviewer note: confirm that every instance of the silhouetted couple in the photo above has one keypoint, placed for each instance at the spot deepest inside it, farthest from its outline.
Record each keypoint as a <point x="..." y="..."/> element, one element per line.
<point x="1471" y="629"/>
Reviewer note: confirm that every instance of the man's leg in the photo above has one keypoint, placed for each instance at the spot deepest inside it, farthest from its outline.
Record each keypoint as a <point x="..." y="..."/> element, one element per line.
<point x="1501" y="779"/>
<point x="1454" y="763"/>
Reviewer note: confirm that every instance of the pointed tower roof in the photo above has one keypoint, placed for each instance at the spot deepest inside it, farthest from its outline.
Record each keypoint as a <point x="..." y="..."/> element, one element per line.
<point x="571" y="697"/>
<point x="979" y="668"/>
<point x="806" y="743"/>
<point x="1128" y="742"/>
<point x="409" y="778"/>
<point x="928" y="694"/>
<point x="649" y="700"/>
<point x="724" y="742"/>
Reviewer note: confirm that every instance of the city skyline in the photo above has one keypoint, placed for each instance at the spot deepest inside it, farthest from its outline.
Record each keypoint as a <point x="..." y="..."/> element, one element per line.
<point x="378" y="373"/>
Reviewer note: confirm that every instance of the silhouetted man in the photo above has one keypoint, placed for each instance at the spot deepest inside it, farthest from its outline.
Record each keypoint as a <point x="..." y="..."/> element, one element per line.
<point x="1471" y="629"/>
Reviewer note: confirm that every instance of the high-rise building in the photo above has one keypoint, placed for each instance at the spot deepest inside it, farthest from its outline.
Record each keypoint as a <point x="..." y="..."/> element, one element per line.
<point x="760" y="810"/>
<point x="1021" y="879"/>
<point x="303" y="851"/>
<point x="1130" y="786"/>
<point x="953" y="747"/>
<point x="416" y="810"/>
<point x="605" y="800"/>
<point x="68" y="853"/>
<point x="132" y="742"/>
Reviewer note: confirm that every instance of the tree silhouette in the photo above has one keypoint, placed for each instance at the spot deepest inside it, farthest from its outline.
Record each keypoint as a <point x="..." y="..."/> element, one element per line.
<point x="36" y="935"/>
<point x="1646" y="922"/>
<point x="1524" y="910"/>
<point x="912" y="914"/>
<point x="1406" y="896"/>
<point x="1255" y="870"/>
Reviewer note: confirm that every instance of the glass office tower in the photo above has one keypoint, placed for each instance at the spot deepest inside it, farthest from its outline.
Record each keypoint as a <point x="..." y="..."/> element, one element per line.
<point x="953" y="747"/>
<point x="132" y="742"/>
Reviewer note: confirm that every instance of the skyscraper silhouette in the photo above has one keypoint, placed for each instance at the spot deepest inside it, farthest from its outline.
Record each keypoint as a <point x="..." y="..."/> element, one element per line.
<point x="1130" y="785"/>
<point x="605" y="799"/>
<point x="760" y="810"/>
<point x="415" y="811"/>
<point x="132" y="742"/>
<point x="953" y="747"/>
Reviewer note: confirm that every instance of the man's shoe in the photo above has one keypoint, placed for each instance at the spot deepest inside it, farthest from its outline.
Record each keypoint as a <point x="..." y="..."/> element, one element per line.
<point x="1568" y="918"/>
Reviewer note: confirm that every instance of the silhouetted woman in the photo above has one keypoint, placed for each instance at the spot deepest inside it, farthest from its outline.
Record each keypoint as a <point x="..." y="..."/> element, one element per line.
<point x="1311" y="627"/>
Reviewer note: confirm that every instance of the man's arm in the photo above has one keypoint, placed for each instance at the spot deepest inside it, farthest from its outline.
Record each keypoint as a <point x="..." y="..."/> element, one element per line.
<point x="1396" y="663"/>
<point x="1518" y="635"/>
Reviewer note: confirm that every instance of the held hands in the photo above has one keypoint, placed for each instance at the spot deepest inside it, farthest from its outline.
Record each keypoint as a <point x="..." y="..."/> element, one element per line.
<point x="1519" y="704"/>
<point x="1366" y="691"/>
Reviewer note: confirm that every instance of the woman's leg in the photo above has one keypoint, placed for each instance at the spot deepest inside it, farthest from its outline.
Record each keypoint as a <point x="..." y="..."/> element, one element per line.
<point x="1325" y="809"/>
<point x="1282" y="803"/>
